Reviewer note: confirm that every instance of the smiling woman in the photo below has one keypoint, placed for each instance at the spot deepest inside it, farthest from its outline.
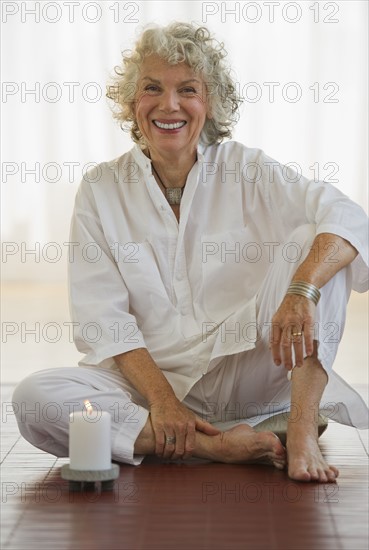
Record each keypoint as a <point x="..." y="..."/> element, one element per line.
<point x="168" y="94"/>
<point x="180" y="45"/>
<point x="192" y="328"/>
<point x="170" y="113"/>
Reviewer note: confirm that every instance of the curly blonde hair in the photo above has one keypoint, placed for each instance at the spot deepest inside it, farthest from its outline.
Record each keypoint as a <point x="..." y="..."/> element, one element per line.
<point x="179" y="42"/>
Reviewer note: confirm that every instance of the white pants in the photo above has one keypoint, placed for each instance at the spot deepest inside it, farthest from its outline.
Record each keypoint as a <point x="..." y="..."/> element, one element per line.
<point x="245" y="387"/>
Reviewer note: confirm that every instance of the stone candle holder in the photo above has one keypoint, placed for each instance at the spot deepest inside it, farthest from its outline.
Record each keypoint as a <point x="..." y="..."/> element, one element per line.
<point x="87" y="479"/>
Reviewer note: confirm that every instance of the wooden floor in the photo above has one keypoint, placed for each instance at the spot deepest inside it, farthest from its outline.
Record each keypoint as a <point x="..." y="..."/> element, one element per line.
<point x="192" y="506"/>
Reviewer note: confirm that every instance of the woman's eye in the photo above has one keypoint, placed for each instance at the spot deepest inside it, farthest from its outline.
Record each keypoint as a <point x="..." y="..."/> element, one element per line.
<point x="151" y="88"/>
<point x="189" y="90"/>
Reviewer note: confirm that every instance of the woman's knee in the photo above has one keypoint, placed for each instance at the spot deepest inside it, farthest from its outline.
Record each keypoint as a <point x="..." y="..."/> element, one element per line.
<point x="26" y="401"/>
<point x="33" y="399"/>
<point x="39" y="416"/>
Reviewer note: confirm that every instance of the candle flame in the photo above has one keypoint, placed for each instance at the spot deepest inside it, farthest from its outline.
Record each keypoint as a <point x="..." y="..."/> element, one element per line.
<point x="88" y="406"/>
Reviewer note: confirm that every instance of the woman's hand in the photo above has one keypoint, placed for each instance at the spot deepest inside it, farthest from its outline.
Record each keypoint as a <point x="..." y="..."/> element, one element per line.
<point x="292" y="324"/>
<point x="171" y="419"/>
<point x="296" y="313"/>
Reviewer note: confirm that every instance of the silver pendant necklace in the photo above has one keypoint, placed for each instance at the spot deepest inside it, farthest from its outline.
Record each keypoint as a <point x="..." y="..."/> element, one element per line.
<point x="173" y="194"/>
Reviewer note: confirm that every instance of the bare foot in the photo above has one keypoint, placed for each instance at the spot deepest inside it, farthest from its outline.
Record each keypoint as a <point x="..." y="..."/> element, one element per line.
<point x="239" y="445"/>
<point x="305" y="460"/>
<point x="242" y="445"/>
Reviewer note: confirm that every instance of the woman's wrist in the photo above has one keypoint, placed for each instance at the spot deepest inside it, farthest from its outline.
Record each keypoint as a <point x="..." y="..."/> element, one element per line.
<point x="308" y="290"/>
<point x="160" y="394"/>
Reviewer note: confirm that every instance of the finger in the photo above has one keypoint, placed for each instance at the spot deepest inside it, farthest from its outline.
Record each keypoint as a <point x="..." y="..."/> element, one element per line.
<point x="169" y="444"/>
<point x="297" y="336"/>
<point x="298" y="349"/>
<point x="206" y="427"/>
<point x="175" y="443"/>
<point x="309" y="337"/>
<point x="274" y="343"/>
<point x="190" y="441"/>
<point x="159" y="441"/>
<point x="179" y="450"/>
<point x="286" y="348"/>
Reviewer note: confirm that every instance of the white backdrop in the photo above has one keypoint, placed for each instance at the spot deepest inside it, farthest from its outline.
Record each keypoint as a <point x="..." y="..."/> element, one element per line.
<point x="301" y="67"/>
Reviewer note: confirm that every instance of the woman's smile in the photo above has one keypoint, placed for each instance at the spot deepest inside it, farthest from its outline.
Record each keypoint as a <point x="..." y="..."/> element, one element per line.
<point x="169" y="125"/>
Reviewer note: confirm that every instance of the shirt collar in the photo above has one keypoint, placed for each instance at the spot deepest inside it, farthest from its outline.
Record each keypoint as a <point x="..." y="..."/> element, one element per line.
<point x="145" y="163"/>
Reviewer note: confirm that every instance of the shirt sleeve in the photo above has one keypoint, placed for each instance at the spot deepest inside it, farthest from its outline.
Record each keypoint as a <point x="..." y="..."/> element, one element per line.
<point x="294" y="200"/>
<point x="98" y="297"/>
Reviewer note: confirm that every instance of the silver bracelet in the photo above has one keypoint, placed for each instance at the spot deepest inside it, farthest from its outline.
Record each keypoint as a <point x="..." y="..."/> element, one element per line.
<point x="305" y="289"/>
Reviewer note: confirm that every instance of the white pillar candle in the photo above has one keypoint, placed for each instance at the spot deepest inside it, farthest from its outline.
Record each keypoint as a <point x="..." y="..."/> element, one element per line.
<point x="90" y="439"/>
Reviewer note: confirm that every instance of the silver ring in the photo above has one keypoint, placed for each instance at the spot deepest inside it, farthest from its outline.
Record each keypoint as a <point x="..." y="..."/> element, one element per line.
<point x="170" y="440"/>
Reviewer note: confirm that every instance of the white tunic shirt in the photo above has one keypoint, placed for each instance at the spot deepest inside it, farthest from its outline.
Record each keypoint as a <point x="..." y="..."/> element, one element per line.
<point x="138" y="278"/>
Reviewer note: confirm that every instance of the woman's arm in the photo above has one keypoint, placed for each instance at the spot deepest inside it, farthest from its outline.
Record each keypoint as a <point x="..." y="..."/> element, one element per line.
<point x="169" y="417"/>
<point x="141" y="370"/>
<point x="328" y="255"/>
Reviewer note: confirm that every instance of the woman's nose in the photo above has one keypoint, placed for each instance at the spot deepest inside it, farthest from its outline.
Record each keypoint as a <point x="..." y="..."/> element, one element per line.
<point x="169" y="101"/>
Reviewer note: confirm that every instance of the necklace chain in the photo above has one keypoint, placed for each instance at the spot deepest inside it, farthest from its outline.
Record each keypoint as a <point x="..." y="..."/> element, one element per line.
<point x="173" y="194"/>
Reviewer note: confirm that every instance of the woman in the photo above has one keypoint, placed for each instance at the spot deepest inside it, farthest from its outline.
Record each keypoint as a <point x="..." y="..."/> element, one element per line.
<point x="200" y="270"/>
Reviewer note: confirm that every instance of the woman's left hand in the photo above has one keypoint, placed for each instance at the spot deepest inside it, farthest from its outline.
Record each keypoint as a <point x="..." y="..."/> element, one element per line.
<point x="292" y="324"/>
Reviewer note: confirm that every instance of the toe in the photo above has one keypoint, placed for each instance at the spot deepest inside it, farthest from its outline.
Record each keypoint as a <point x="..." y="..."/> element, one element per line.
<point x="332" y="474"/>
<point x="298" y="473"/>
<point x="322" y="476"/>
<point x="314" y="474"/>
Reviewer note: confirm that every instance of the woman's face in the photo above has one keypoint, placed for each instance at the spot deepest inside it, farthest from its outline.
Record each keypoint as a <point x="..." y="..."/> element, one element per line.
<point x="170" y="106"/>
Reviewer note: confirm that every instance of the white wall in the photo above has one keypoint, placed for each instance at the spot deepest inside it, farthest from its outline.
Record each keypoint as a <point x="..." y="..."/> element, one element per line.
<point x="330" y="52"/>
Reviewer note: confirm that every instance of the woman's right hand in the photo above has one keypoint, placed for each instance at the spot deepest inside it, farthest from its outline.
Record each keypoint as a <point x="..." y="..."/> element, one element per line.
<point x="171" y="419"/>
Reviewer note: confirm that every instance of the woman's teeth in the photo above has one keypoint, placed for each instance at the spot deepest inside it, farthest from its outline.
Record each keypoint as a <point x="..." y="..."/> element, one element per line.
<point x="173" y="126"/>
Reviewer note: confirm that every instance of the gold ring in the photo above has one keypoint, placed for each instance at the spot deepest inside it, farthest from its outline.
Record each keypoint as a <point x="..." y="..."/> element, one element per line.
<point x="296" y="333"/>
